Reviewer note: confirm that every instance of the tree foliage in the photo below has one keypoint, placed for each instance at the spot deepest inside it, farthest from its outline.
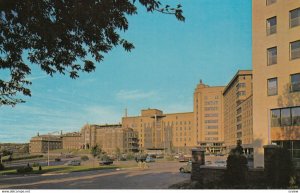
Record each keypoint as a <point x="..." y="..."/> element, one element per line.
<point x="57" y="35"/>
<point x="96" y="151"/>
<point x="236" y="169"/>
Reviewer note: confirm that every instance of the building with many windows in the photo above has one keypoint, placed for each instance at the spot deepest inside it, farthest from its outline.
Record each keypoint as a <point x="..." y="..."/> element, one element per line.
<point x="72" y="140"/>
<point x="43" y="143"/>
<point x="208" y="117"/>
<point x="238" y="111"/>
<point x="276" y="80"/>
<point x="156" y="130"/>
<point x="110" y="138"/>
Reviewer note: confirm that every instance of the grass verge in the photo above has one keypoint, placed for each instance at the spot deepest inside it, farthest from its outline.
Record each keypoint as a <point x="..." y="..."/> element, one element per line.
<point x="58" y="169"/>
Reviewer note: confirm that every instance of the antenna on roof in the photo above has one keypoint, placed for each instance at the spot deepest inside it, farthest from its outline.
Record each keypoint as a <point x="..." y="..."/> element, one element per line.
<point x="125" y="112"/>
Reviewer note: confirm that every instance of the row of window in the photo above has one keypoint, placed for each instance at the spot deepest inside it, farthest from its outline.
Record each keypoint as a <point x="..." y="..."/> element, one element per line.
<point x="294" y="53"/>
<point x="294" y="21"/>
<point x="211" y="115"/>
<point x="212" y="133"/>
<point x="211" y="121"/>
<point x="294" y="84"/>
<point x="285" y="117"/>
<point x="211" y="108"/>
<point x="211" y="103"/>
<point x="211" y="127"/>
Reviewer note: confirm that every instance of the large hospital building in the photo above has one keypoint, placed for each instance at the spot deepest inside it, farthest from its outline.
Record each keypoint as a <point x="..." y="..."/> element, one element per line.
<point x="258" y="107"/>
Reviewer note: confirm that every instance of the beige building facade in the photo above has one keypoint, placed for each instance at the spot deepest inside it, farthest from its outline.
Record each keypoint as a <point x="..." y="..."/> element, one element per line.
<point x="169" y="132"/>
<point x="276" y="80"/>
<point x="208" y="117"/>
<point x="41" y="143"/>
<point x="238" y="111"/>
<point x="111" y="138"/>
<point x="72" y="141"/>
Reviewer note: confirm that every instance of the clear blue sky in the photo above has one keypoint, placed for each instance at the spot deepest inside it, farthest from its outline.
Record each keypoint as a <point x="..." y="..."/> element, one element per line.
<point x="161" y="72"/>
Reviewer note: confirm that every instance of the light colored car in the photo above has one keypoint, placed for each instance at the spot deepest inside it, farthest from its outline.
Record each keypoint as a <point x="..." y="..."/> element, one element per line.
<point x="74" y="163"/>
<point x="220" y="163"/>
<point x="149" y="159"/>
<point x="186" y="168"/>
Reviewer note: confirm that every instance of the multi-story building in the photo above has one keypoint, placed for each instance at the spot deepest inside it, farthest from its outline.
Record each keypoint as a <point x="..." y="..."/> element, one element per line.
<point x="111" y="138"/>
<point x="72" y="140"/>
<point x="208" y="117"/>
<point x="238" y="111"/>
<point x="169" y="132"/>
<point x="276" y="80"/>
<point x="43" y="143"/>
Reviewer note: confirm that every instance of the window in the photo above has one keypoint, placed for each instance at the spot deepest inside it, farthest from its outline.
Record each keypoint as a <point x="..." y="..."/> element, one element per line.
<point x="269" y="2"/>
<point x="295" y="17"/>
<point x="272" y="55"/>
<point x="275" y="118"/>
<point x="271" y="25"/>
<point x="295" y="82"/>
<point x="272" y="86"/>
<point x="286" y="117"/>
<point x="296" y="116"/>
<point x="295" y="50"/>
<point x="241" y="93"/>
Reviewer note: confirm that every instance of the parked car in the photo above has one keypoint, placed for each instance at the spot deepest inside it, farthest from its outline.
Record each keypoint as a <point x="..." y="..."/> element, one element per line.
<point x="74" y="163"/>
<point x="220" y="163"/>
<point x="186" y="168"/>
<point x="184" y="158"/>
<point x="105" y="162"/>
<point x="149" y="159"/>
<point x="57" y="159"/>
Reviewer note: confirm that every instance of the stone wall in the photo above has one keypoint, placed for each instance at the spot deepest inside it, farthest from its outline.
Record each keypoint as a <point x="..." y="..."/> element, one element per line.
<point x="209" y="174"/>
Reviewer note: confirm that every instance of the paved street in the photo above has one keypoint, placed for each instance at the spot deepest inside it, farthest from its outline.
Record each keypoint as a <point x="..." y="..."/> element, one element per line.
<point x="159" y="175"/>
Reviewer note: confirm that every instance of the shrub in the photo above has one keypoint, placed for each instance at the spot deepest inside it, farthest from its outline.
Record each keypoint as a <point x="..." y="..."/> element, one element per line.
<point x="84" y="158"/>
<point x="35" y="164"/>
<point x="237" y="168"/>
<point x="2" y="166"/>
<point x="25" y="169"/>
<point x="280" y="170"/>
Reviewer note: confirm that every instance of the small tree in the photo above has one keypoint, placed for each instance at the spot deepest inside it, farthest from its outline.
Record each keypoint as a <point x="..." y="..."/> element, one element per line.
<point x="236" y="169"/>
<point x="95" y="151"/>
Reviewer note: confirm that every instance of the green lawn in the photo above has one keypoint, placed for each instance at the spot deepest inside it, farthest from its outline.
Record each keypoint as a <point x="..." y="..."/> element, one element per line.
<point x="59" y="169"/>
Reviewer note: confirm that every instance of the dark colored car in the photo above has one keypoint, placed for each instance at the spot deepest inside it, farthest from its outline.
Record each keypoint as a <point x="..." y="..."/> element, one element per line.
<point x="186" y="168"/>
<point x="57" y="159"/>
<point x="106" y="162"/>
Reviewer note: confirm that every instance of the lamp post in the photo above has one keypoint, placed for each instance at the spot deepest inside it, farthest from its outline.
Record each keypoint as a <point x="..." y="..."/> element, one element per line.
<point x="49" y="145"/>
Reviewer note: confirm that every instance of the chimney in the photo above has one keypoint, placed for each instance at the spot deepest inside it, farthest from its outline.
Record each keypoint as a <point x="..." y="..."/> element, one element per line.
<point x="125" y="112"/>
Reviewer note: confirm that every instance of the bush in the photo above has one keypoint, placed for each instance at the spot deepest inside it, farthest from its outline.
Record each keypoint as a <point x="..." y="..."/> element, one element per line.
<point x="280" y="170"/>
<point x="237" y="168"/>
<point x="1" y="167"/>
<point x="35" y="164"/>
<point x="25" y="169"/>
<point x="84" y="158"/>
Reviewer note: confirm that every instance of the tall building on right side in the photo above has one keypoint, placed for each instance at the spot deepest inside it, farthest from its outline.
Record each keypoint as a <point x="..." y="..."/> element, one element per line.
<point x="276" y="76"/>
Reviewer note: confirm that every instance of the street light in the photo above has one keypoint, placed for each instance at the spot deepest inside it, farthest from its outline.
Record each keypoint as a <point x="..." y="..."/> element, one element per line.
<point x="48" y="145"/>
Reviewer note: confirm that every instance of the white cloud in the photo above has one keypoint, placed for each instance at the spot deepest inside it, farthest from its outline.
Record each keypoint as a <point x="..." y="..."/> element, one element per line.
<point x="135" y="95"/>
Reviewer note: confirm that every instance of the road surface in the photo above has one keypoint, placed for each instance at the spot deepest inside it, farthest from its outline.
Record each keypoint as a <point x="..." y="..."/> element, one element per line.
<point x="159" y="175"/>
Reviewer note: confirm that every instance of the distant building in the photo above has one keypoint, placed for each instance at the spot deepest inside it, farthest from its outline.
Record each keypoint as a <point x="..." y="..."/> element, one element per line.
<point x="156" y="130"/>
<point x="238" y="111"/>
<point x="41" y="143"/>
<point x="72" y="141"/>
<point x="208" y="117"/>
<point x="110" y="138"/>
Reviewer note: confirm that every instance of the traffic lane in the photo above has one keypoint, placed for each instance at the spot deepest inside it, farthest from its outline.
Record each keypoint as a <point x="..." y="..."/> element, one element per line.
<point x="158" y="175"/>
